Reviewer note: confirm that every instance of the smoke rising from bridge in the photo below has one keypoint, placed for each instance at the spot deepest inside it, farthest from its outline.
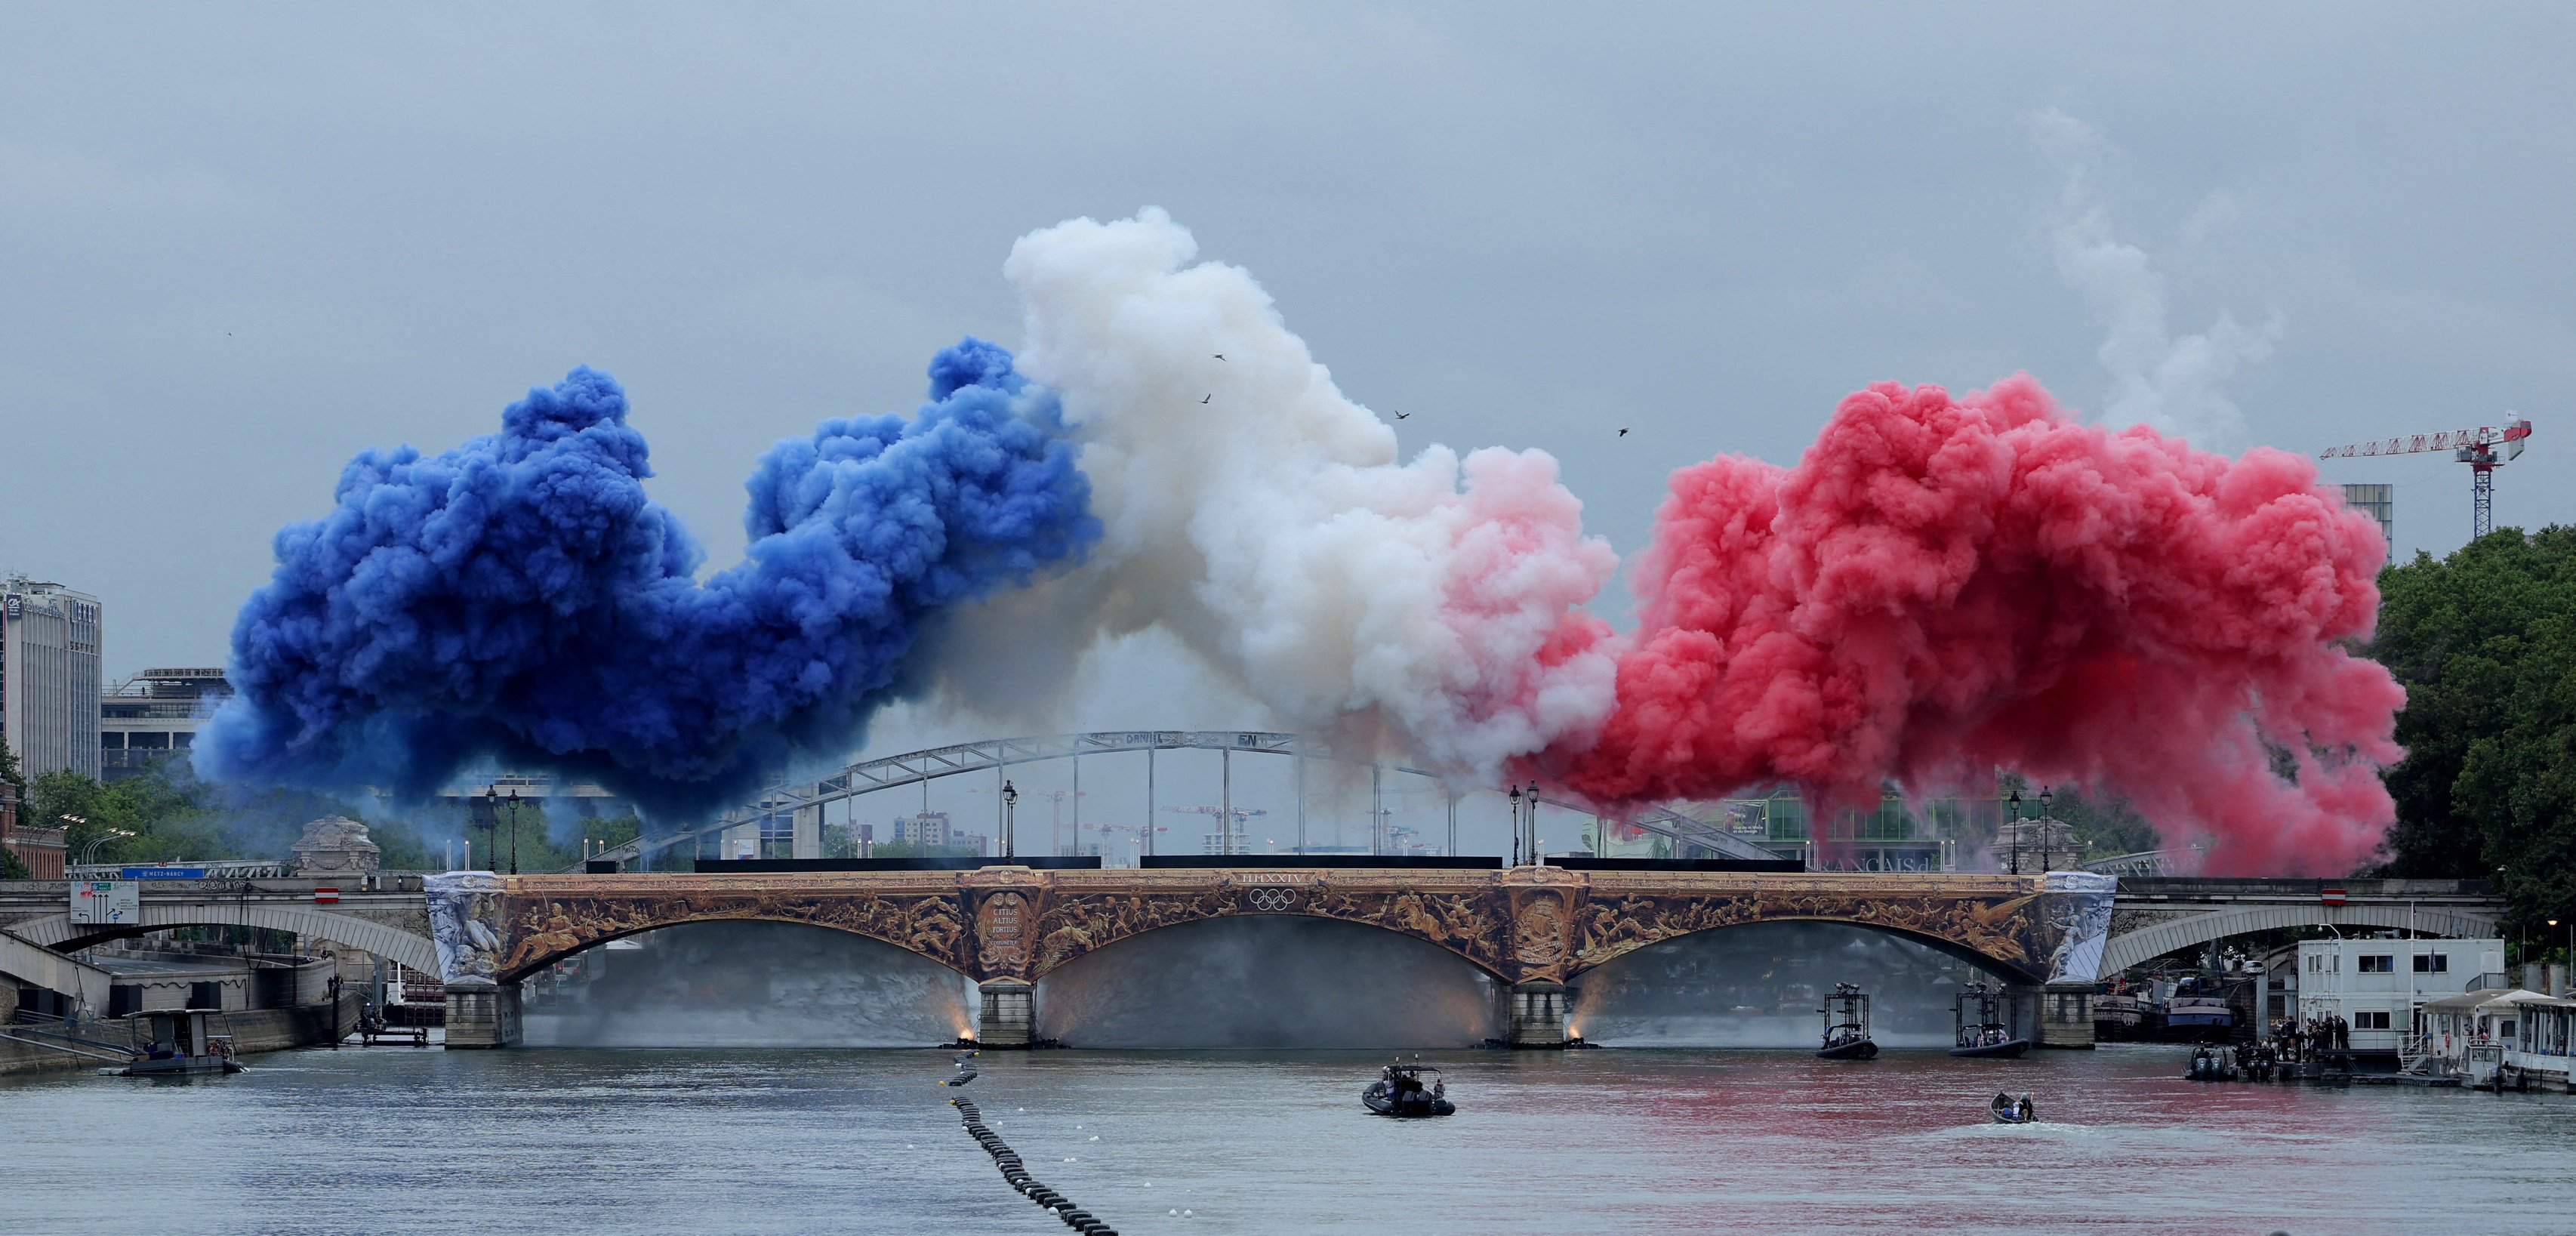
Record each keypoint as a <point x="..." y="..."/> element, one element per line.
<point x="520" y="597"/>
<point x="1943" y="586"/>
<point x="751" y="985"/>
<point x="1762" y="985"/>
<point x="1940" y="587"/>
<point x="1269" y="981"/>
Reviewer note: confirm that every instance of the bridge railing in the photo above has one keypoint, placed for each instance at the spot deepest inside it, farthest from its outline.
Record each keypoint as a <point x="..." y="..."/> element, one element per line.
<point x="1000" y="754"/>
<point x="2302" y="887"/>
<point x="353" y="883"/>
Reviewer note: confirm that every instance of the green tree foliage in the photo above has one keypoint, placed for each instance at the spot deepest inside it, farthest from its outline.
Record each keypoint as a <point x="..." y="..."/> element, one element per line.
<point x="9" y="771"/>
<point x="2103" y="824"/>
<point x="141" y="819"/>
<point x="11" y="866"/>
<point x="2485" y="643"/>
<point x="548" y="841"/>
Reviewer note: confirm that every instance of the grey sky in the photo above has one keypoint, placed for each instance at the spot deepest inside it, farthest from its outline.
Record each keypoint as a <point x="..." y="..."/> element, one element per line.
<point x="238" y="244"/>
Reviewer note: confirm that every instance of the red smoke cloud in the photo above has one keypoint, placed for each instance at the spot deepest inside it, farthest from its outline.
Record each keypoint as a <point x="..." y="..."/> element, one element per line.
<point x="1945" y="586"/>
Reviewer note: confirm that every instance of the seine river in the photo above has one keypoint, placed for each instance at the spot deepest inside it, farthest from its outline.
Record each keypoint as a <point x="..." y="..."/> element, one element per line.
<point x="801" y="1141"/>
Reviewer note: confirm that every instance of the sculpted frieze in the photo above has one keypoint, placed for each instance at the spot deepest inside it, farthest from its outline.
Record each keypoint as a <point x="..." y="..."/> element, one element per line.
<point x="1524" y="923"/>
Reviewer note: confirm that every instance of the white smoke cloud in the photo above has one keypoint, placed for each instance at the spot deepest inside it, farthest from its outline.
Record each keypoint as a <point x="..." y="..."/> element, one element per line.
<point x="2174" y="385"/>
<point x="1260" y="515"/>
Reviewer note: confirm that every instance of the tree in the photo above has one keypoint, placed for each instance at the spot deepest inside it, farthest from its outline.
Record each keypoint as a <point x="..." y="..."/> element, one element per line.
<point x="9" y="771"/>
<point x="2485" y="643"/>
<point x="11" y="866"/>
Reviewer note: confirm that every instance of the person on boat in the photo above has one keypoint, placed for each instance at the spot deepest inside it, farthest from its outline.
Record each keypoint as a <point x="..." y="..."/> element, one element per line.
<point x="2024" y="1110"/>
<point x="2003" y="1102"/>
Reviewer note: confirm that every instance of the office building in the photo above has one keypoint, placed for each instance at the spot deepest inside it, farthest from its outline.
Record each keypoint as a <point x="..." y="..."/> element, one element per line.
<point x="146" y="718"/>
<point x="2380" y="503"/>
<point x="49" y="676"/>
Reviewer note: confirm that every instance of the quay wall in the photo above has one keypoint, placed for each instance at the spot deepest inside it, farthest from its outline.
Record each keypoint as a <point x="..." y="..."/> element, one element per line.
<point x="259" y="1030"/>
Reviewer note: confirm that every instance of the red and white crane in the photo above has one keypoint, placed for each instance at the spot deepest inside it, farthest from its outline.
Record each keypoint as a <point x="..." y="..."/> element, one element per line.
<point x="2484" y="449"/>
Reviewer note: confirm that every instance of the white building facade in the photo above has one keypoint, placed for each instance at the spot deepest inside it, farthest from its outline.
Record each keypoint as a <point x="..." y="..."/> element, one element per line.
<point x="2379" y="986"/>
<point x="49" y="676"/>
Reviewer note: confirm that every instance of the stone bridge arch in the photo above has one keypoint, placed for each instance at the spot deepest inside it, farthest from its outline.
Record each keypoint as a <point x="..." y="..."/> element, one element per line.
<point x="2156" y="936"/>
<point x="492" y="931"/>
<point x="1520" y="925"/>
<point x="2017" y="970"/>
<point x="2030" y="929"/>
<point x="58" y="932"/>
<point x="1005" y="927"/>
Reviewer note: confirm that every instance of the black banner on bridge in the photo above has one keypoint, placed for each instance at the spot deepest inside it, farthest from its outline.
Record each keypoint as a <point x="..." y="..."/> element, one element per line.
<point x="1680" y="864"/>
<point x="1465" y="863"/>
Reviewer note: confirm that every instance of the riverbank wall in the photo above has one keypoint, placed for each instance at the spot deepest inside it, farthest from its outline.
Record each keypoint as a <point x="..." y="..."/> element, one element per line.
<point x="254" y="1031"/>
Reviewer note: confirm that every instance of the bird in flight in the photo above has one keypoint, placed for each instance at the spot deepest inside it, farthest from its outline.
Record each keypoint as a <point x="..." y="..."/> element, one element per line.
<point x="1212" y="395"/>
<point x="1623" y="433"/>
<point x="1220" y="355"/>
<point x="1401" y="415"/>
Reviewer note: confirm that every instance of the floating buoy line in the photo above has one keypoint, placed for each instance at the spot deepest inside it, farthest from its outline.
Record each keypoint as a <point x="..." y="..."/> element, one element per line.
<point x="1014" y="1171"/>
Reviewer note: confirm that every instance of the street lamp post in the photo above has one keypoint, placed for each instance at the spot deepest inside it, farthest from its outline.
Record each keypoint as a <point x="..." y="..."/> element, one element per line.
<point x="514" y="832"/>
<point x="2014" y="805"/>
<point x="1516" y="825"/>
<point x="1011" y="820"/>
<point x="89" y="852"/>
<point x="1532" y="801"/>
<point x="2045" y="819"/>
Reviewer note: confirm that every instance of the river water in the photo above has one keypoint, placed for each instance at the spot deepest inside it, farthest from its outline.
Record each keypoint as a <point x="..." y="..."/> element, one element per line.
<point x="807" y="1141"/>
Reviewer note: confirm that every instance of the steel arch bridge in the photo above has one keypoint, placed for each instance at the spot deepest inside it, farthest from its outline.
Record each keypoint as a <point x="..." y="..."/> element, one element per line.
<point x="997" y="756"/>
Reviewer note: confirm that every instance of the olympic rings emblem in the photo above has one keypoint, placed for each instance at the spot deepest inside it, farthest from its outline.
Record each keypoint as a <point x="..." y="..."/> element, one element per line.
<point x="1270" y="899"/>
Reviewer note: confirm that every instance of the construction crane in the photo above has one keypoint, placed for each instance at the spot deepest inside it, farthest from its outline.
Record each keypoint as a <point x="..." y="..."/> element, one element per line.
<point x="2478" y="448"/>
<point x="1228" y="822"/>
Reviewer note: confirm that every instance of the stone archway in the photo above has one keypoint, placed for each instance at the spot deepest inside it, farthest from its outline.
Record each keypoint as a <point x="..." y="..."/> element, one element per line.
<point x="57" y="931"/>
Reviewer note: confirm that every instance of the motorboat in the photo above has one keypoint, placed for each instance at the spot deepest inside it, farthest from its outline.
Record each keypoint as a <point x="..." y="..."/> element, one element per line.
<point x="2119" y="1015"/>
<point x="2207" y="1065"/>
<point x="2008" y="1110"/>
<point x="1979" y="1012"/>
<point x="1847" y="1025"/>
<point x="182" y="1044"/>
<point x="172" y="1064"/>
<point x="2199" y="1010"/>
<point x="1400" y="1091"/>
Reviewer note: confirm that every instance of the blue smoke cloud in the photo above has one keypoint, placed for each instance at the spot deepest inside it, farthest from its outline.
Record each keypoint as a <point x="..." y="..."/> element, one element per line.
<point x="520" y="598"/>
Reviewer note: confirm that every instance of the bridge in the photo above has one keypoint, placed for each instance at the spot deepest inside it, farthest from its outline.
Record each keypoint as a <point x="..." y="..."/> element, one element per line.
<point x="804" y="802"/>
<point x="382" y="913"/>
<point x="2156" y="915"/>
<point x="1532" y="928"/>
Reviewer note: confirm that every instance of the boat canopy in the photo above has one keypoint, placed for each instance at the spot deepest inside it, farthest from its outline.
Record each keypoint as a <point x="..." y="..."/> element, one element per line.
<point x="2468" y="1001"/>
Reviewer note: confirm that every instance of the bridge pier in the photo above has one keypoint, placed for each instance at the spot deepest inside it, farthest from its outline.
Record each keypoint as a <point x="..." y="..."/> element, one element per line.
<point x="1538" y="1015"/>
<point x="483" y="1016"/>
<point x="1009" y="1016"/>
<point x="2058" y="1014"/>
